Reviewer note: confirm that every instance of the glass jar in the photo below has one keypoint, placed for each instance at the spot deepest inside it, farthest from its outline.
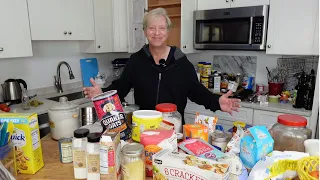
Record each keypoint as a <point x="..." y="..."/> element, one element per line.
<point x="93" y="156"/>
<point x="205" y="81"/>
<point x="132" y="162"/>
<point x="79" y="144"/>
<point x="171" y="115"/>
<point x="290" y="132"/>
<point x="206" y="70"/>
<point x="219" y="140"/>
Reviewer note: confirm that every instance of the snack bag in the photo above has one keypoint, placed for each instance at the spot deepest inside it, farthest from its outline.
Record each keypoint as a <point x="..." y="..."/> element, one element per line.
<point x="200" y="148"/>
<point x="196" y="131"/>
<point x="233" y="146"/>
<point x="208" y="121"/>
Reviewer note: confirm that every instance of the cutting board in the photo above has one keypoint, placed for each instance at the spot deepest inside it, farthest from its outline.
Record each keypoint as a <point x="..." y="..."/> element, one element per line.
<point x="89" y="69"/>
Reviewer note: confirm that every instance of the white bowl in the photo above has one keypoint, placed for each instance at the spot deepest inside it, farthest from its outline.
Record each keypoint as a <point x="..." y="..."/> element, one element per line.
<point x="312" y="147"/>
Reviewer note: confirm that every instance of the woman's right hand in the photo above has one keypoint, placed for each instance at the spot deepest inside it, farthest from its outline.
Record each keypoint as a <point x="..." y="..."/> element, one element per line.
<point x="90" y="92"/>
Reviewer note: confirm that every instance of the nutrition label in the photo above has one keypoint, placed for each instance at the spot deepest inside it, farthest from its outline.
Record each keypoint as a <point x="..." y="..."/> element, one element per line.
<point x="35" y="139"/>
<point x="66" y="150"/>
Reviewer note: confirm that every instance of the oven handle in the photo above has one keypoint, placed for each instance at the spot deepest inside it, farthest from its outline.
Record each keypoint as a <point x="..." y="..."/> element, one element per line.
<point x="250" y="31"/>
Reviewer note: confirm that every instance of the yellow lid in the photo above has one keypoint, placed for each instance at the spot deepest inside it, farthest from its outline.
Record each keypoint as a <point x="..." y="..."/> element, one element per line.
<point x="200" y="65"/>
<point x="206" y="65"/>
<point x="240" y="123"/>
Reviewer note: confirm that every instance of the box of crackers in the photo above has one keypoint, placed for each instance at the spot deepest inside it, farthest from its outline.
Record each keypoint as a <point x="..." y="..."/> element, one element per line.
<point x="26" y="139"/>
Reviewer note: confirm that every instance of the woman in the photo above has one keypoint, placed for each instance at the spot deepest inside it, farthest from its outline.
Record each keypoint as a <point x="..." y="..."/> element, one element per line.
<point x="162" y="74"/>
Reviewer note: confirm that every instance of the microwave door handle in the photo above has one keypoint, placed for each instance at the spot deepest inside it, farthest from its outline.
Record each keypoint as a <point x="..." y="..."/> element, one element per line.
<point x="250" y="31"/>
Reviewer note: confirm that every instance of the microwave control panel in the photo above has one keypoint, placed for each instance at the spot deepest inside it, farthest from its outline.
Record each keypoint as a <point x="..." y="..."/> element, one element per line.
<point x="257" y="30"/>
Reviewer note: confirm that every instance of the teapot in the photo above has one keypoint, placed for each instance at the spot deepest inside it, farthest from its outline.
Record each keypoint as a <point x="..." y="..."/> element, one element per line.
<point x="12" y="91"/>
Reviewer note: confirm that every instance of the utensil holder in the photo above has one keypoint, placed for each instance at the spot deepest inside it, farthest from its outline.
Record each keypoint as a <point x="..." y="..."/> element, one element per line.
<point x="275" y="88"/>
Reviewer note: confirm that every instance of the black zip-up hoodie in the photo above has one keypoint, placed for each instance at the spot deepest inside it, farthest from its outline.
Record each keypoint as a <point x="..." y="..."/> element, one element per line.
<point x="154" y="84"/>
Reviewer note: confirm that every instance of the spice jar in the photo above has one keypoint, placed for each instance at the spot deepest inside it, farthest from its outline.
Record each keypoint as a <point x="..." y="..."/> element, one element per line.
<point x="93" y="156"/>
<point x="205" y="81"/>
<point x="132" y="165"/>
<point x="290" y="132"/>
<point x="206" y="70"/>
<point x="79" y="144"/>
<point x="219" y="140"/>
<point x="171" y="115"/>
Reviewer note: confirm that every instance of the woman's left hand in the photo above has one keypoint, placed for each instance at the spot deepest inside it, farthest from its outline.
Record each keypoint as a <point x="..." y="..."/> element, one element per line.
<point x="229" y="104"/>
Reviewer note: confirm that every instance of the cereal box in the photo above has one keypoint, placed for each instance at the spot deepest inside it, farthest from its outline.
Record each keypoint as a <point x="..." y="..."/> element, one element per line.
<point x="26" y="138"/>
<point x="169" y="165"/>
<point x="255" y="145"/>
<point x="195" y="131"/>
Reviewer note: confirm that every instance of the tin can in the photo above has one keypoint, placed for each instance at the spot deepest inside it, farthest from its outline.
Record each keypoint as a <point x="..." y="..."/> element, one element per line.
<point x="110" y="113"/>
<point x="65" y="149"/>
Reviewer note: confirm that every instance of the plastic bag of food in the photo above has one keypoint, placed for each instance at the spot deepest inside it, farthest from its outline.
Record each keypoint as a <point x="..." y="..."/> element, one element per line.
<point x="233" y="146"/>
<point x="277" y="166"/>
<point x="208" y="121"/>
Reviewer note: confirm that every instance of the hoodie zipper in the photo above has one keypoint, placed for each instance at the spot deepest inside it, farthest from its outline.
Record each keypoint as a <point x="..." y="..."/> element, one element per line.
<point x="159" y="81"/>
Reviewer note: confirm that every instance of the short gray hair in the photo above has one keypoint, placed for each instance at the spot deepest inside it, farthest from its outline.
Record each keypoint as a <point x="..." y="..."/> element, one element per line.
<point x="158" y="12"/>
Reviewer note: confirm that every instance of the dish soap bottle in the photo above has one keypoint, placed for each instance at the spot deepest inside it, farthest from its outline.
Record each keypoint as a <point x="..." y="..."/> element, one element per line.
<point x="25" y="105"/>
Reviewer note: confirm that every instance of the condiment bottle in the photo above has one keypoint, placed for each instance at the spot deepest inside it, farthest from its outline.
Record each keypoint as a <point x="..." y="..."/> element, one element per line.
<point x="132" y="165"/>
<point x="93" y="156"/>
<point x="79" y="144"/>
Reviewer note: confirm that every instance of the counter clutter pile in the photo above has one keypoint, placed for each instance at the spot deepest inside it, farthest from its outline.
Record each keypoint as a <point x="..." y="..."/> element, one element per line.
<point x="157" y="145"/>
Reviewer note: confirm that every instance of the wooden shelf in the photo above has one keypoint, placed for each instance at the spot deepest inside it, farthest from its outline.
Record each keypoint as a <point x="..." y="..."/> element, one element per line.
<point x="164" y="5"/>
<point x="174" y="15"/>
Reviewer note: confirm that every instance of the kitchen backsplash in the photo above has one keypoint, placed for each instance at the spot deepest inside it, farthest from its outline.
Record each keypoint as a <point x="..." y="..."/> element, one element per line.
<point x="246" y="65"/>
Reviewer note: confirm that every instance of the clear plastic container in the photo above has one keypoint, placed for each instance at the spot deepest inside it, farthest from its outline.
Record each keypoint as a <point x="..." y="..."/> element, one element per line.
<point x="171" y="115"/>
<point x="79" y="144"/>
<point x="93" y="156"/>
<point x="290" y="132"/>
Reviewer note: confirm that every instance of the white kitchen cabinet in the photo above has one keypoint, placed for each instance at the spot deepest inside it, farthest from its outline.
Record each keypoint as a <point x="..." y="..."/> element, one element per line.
<point x="221" y="4"/>
<point x="291" y="28"/>
<point x="15" y="40"/>
<point x="315" y="50"/>
<point x="268" y="118"/>
<point x="61" y="19"/>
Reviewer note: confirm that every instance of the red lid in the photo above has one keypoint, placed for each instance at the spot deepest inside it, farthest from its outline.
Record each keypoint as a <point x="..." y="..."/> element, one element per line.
<point x="292" y="120"/>
<point x="166" y="107"/>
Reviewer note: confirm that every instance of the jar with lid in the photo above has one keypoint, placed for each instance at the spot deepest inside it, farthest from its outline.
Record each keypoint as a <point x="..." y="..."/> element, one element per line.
<point x="290" y="132"/>
<point x="171" y="115"/>
<point x="93" y="156"/>
<point x="206" y="70"/>
<point x="132" y="162"/>
<point x="205" y="81"/>
<point x="200" y="67"/>
<point x="79" y="144"/>
<point x="219" y="140"/>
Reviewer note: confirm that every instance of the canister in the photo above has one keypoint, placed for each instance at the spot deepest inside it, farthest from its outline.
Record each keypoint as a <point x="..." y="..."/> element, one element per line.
<point x="144" y="120"/>
<point x="132" y="162"/>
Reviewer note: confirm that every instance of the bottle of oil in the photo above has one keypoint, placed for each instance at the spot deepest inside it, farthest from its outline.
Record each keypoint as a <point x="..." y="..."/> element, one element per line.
<point x="299" y="101"/>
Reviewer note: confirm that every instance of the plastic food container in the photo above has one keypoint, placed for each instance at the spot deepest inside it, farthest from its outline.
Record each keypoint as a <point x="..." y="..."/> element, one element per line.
<point x="144" y="120"/>
<point x="171" y="115"/>
<point x="290" y="133"/>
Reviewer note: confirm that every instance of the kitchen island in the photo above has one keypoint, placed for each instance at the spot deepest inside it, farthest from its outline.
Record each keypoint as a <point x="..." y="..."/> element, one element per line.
<point x="53" y="169"/>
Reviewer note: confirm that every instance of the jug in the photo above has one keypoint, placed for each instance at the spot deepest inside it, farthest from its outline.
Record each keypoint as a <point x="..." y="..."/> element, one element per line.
<point x="12" y="91"/>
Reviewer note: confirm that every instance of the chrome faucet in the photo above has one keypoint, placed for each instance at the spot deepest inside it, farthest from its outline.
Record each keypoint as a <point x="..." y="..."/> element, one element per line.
<point x="57" y="78"/>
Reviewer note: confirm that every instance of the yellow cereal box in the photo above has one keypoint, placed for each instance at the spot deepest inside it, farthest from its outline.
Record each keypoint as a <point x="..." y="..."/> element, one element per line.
<point x="26" y="138"/>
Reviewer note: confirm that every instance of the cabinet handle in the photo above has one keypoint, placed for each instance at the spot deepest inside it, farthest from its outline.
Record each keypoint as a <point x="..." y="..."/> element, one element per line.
<point x="227" y="0"/>
<point x="1" y="49"/>
<point x="69" y="32"/>
<point x="184" y="46"/>
<point x="232" y="0"/>
<point x="269" y="46"/>
<point x="99" y="46"/>
<point x="65" y="32"/>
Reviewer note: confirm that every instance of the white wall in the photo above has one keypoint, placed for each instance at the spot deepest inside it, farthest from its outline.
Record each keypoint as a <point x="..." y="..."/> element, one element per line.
<point x="263" y="60"/>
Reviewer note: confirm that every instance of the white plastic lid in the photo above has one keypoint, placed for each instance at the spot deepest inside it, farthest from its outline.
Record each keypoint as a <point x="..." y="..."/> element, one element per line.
<point x="147" y="114"/>
<point x="63" y="104"/>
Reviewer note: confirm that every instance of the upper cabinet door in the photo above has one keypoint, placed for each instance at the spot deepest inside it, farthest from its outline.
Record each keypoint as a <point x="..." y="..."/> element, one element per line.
<point x="245" y="3"/>
<point x="187" y="8"/>
<point x="120" y="26"/>
<point x="80" y="19"/>
<point x="291" y="27"/>
<point x="213" y="4"/>
<point x="316" y="38"/>
<point x="136" y="38"/>
<point x="15" y="40"/>
<point x="61" y="19"/>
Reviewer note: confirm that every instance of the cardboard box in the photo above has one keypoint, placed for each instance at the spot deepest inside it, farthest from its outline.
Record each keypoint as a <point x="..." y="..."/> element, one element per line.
<point x="255" y="145"/>
<point x="110" y="150"/>
<point x="26" y="139"/>
<point x="169" y="165"/>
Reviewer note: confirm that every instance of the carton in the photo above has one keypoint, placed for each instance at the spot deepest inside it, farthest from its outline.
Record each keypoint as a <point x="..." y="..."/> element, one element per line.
<point x="196" y="131"/>
<point x="110" y="150"/>
<point x="169" y="165"/>
<point x="256" y="144"/>
<point x="26" y="139"/>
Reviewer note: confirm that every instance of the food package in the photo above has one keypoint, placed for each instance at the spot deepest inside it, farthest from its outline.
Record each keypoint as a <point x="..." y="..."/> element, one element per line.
<point x="154" y="141"/>
<point x="26" y="139"/>
<point x="233" y="146"/>
<point x="277" y="165"/>
<point x="195" y="131"/>
<point x="200" y="148"/>
<point x="110" y="149"/>
<point x="208" y="121"/>
<point x="256" y="144"/>
<point x="169" y="165"/>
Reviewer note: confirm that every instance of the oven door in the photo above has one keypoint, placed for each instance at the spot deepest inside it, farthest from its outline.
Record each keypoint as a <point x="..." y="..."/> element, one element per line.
<point x="234" y="28"/>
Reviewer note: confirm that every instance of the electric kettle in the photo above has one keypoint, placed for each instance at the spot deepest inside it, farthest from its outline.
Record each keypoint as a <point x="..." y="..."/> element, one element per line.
<point x="12" y="91"/>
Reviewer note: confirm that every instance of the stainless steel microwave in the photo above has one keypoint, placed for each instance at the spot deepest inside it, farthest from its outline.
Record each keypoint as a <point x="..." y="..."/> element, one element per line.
<point x="242" y="28"/>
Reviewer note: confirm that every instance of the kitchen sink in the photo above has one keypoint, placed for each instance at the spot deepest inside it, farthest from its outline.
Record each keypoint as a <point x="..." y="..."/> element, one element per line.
<point x="71" y="96"/>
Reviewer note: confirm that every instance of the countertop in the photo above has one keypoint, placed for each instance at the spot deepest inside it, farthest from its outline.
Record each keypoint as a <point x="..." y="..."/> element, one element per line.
<point x="274" y="107"/>
<point x="53" y="169"/>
